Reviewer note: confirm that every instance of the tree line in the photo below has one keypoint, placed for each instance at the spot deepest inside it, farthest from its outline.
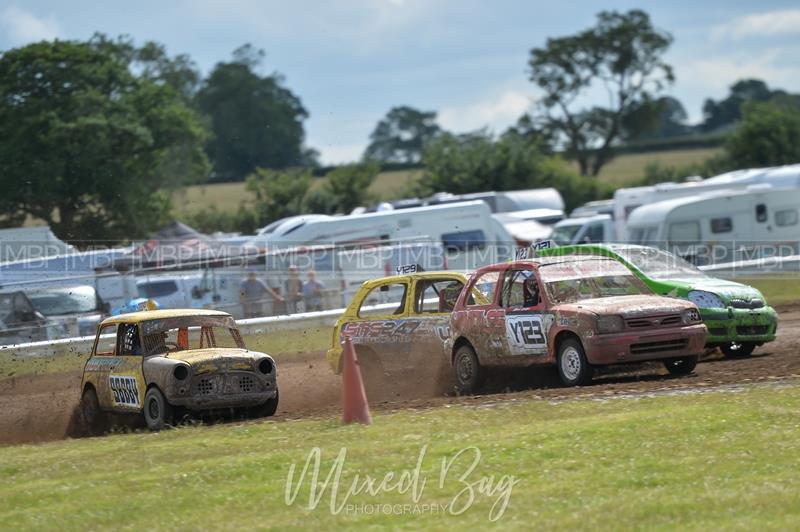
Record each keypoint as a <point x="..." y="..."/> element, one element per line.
<point x="95" y="135"/>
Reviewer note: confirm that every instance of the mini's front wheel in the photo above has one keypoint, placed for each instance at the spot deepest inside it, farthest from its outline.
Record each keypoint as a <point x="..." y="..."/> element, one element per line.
<point x="267" y="409"/>
<point x="157" y="411"/>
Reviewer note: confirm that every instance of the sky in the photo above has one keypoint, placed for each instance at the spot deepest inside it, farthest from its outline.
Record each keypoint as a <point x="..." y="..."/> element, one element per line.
<point x="350" y="61"/>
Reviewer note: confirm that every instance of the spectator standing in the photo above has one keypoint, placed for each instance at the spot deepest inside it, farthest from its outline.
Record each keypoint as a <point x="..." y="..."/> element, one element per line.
<point x="252" y="294"/>
<point x="312" y="292"/>
<point x="294" y="290"/>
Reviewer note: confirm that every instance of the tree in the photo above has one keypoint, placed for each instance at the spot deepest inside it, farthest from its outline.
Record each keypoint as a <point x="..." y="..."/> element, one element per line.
<point x="401" y="136"/>
<point x="255" y="120"/>
<point x="661" y="118"/>
<point x="88" y="146"/>
<point x="347" y="185"/>
<point x="768" y="135"/>
<point x="278" y="194"/>
<point x="621" y="53"/>
<point x="726" y="112"/>
<point x="476" y="162"/>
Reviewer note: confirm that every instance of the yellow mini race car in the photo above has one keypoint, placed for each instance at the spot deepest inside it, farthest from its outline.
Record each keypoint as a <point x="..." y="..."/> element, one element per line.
<point x="398" y="326"/>
<point x="160" y="363"/>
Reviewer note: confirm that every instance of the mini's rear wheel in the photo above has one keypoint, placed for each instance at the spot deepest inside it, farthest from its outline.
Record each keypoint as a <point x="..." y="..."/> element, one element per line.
<point x="573" y="368"/>
<point x="469" y="374"/>
<point x="94" y="419"/>
<point x="157" y="411"/>
<point x="734" y="349"/>
<point x="681" y="366"/>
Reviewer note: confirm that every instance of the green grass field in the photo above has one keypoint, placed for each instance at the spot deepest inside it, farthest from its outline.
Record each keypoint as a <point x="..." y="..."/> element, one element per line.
<point x="776" y="290"/>
<point x="720" y="460"/>
<point x="227" y="197"/>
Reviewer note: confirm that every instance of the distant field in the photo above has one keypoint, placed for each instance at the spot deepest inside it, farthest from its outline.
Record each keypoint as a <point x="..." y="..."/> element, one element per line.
<point x="228" y="197"/>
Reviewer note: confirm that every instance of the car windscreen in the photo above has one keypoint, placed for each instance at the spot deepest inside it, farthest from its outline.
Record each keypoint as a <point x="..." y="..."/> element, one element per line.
<point x="659" y="264"/>
<point x="57" y="303"/>
<point x="572" y="281"/>
<point x="189" y="332"/>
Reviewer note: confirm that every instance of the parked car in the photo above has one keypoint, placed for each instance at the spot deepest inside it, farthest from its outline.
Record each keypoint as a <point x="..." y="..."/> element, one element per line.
<point x="73" y="311"/>
<point x="399" y="323"/>
<point x="158" y="363"/>
<point x="737" y="315"/>
<point x="575" y="312"/>
<point x="20" y="322"/>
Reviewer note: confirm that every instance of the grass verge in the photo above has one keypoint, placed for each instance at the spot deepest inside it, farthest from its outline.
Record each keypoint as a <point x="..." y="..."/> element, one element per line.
<point x="712" y="461"/>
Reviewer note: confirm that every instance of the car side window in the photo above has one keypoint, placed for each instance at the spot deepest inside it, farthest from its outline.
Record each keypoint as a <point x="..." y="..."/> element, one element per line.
<point x="520" y="289"/>
<point x="483" y="290"/>
<point x="128" y="340"/>
<point x="106" y="346"/>
<point x="434" y="296"/>
<point x="384" y="300"/>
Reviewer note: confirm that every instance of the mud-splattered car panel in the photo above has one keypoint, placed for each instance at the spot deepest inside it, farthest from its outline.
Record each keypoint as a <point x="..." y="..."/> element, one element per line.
<point x="403" y="319"/>
<point x="532" y="303"/>
<point x="196" y="358"/>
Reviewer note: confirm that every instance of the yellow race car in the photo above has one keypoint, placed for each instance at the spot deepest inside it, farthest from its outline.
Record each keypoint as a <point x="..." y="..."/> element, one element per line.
<point x="160" y="363"/>
<point x="398" y="326"/>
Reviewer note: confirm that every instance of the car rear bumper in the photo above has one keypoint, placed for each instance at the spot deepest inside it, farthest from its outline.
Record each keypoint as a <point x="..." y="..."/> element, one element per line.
<point x="740" y="325"/>
<point x="655" y="344"/>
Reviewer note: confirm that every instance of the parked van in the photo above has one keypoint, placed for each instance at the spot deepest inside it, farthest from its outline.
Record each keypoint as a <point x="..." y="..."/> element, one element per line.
<point x="584" y="230"/>
<point x="467" y="231"/>
<point x="73" y="311"/>
<point x="722" y="226"/>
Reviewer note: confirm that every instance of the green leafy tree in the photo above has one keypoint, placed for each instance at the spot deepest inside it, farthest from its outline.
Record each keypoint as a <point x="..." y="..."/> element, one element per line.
<point x="401" y="136"/>
<point x="87" y="145"/>
<point x="768" y="135"/>
<point x="476" y="162"/>
<point x="278" y="194"/>
<point x="255" y="120"/>
<point x="724" y="113"/>
<point x="621" y="53"/>
<point x="661" y="118"/>
<point x="347" y="185"/>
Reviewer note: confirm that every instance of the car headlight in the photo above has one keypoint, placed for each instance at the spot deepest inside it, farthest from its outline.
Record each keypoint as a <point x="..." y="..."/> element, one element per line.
<point x="691" y="316"/>
<point x="705" y="299"/>
<point x="610" y="324"/>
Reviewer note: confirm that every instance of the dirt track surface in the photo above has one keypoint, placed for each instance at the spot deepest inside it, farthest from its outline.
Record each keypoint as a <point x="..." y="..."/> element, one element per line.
<point x="36" y="408"/>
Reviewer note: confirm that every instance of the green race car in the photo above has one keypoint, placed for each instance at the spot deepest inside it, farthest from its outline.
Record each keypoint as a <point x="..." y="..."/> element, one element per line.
<point x="737" y="316"/>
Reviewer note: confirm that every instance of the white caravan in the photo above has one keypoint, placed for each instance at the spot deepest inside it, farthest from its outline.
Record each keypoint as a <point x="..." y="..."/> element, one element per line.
<point x="468" y="232"/>
<point x="584" y="230"/>
<point x="628" y="199"/>
<point x="722" y="226"/>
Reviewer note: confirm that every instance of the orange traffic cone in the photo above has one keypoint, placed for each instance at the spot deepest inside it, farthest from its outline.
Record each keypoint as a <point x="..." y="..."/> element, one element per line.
<point x="354" y="398"/>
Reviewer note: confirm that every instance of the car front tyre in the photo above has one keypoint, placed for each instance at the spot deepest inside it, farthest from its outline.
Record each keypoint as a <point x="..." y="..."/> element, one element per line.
<point x="468" y="372"/>
<point x="267" y="409"/>
<point x="681" y="366"/>
<point x="95" y="420"/>
<point x="733" y="349"/>
<point x="573" y="368"/>
<point x="157" y="411"/>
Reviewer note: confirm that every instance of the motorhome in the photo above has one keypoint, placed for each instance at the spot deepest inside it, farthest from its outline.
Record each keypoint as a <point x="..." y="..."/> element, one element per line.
<point x="722" y="226"/>
<point x="628" y="199"/>
<point x="591" y="208"/>
<point x="467" y="231"/>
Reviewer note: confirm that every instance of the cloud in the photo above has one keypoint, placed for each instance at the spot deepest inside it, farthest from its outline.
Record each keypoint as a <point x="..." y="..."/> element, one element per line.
<point x="24" y="27"/>
<point x="496" y="112"/>
<point x="767" y="24"/>
<point x="717" y="73"/>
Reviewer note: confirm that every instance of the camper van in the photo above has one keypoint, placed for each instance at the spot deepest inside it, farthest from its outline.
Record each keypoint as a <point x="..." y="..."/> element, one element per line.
<point x="722" y="226"/>
<point x="467" y="231"/>
<point x="628" y="199"/>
